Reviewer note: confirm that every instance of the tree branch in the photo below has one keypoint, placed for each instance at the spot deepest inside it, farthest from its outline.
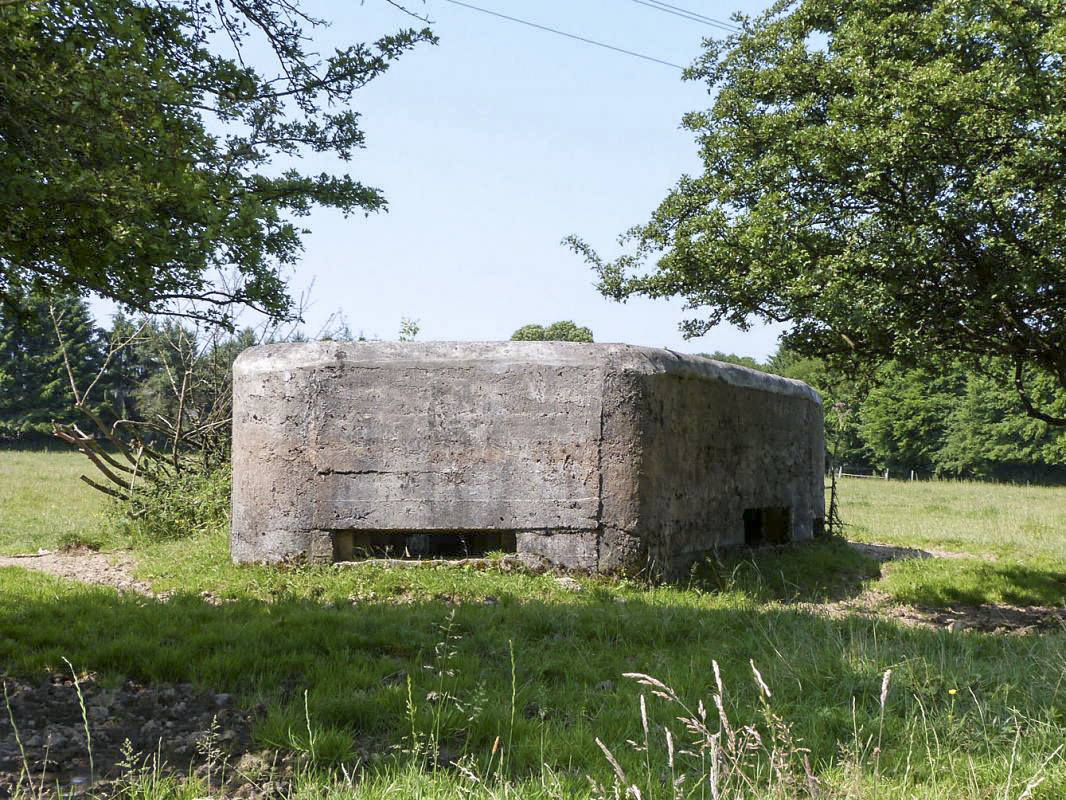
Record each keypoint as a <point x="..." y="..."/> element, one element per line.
<point x="1027" y="403"/>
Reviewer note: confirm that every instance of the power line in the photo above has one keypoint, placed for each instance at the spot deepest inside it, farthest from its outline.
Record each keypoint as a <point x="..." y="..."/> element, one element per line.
<point x="684" y="13"/>
<point x="567" y="35"/>
<point x="675" y="13"/>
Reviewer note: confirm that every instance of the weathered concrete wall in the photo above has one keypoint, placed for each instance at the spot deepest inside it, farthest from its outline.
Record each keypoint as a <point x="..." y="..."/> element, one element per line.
<point x="600" y="457"/>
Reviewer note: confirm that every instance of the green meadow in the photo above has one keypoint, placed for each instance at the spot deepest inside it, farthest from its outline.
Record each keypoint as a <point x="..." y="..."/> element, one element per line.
<point x="445" y="681"/>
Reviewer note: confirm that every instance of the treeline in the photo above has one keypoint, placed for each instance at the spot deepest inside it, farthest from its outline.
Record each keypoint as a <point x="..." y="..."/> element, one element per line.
<point x="957" y="421"/>
<point x="167" y="384"/>
<point x="151" y="376"/>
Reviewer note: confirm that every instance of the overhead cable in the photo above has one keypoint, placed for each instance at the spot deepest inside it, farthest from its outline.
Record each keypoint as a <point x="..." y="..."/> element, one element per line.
<point x="666" y="8"/>
<point x="573" y="36"/>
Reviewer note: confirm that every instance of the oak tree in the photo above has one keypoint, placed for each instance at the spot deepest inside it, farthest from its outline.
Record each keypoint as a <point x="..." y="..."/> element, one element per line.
<point x="886" y="178"/>
<point x="146" y="159"/>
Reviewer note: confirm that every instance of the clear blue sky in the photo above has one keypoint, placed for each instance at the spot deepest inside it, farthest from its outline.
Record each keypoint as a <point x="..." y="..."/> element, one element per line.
<point x="491" y="147"/>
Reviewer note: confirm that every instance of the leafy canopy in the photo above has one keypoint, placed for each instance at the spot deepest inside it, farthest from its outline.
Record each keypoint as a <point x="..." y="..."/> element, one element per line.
<point x="144" y="166"/>
<point x="561" y="331"/>
<point x="953" y="421"/>
<point x="885" y="177"/>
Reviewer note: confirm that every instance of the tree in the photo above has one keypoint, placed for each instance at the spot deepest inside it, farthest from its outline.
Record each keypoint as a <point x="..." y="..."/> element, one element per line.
<point x="984" y="437"/>
<point x="903" y="418"/>
<point x="562" y="331"/>
<point x="885" y="177"/>
<point x="957" y="421"/>
<point x="142" y="165"/>
<point x="34" y="388"/>
<point x="733" y="358"/>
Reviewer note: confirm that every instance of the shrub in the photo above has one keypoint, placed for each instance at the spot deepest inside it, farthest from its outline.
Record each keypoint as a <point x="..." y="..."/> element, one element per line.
<point x="189" y="503"/>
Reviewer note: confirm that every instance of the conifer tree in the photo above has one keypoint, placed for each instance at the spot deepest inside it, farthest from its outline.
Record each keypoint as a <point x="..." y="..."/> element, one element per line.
<point x="35" y="386"/>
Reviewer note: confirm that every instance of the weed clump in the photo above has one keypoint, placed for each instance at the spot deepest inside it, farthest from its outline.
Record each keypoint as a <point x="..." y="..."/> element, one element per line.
<point x="187" y="503"/>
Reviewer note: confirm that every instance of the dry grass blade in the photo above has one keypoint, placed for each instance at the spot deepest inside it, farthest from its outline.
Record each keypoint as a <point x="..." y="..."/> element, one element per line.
<point x="659" y="689"/>
<point x="884" y="687"/>
<point x="764" y="690"/>
<point x="618" y="771"/>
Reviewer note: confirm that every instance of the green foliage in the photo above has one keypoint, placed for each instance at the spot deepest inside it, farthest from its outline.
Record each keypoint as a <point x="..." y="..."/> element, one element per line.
<point x="35" y="389"/>
<point x="903" y="418"/>
<point x="887" y="178"/>
<point x="562" y="331"/>
<point x="192" y="502"/>
<point x="960" y="422"/>
<point x="733" y="358"/>
<point x="409" y="329"/>
<point x="986" y="437"/>
<point x="137" y="160"/>
<point x="954" y="421"/>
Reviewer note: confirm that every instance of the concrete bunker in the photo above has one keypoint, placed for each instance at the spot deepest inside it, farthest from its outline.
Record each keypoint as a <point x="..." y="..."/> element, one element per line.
<point x="598" y="457"/>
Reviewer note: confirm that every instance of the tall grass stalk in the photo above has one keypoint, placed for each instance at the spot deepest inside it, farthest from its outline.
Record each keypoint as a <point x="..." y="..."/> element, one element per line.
<point x="24" y="771"/>
<point x="84" y="721"/>
<point x="514" y="697"/>
<point x="763" y="759"/>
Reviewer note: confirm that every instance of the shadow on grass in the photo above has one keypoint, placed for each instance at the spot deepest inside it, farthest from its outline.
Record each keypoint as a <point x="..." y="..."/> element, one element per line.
<point x="974" y="582"/>
<point x="824" y="570"/>
<point x="543" y="675"/>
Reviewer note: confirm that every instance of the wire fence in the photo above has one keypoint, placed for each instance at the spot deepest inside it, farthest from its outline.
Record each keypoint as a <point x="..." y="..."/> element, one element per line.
<point x="841" y="472"/>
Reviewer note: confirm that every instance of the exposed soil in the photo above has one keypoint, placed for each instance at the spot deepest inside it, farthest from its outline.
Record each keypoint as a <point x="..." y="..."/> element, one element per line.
<point x="889" y="552"/>
<point x="986" y="618"/>
<point x="87" y="566"/>
<point x="186" y="729"/>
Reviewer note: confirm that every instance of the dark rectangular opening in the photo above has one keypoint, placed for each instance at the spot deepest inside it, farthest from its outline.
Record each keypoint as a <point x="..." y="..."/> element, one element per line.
<point x="770" y="525"/>
<point x="443" y="545"/>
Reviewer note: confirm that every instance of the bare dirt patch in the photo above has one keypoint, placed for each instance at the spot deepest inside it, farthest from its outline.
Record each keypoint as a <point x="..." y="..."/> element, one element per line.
<point x="889" y="552"/>
<point x="87" y="566"/>
<point x="986" y="618"/>
<point x="187" y="729"/>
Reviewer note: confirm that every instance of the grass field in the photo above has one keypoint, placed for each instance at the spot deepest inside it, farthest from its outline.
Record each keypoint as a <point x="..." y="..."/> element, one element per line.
<point x="43" y="504"/>
<point x="398" y="673"/>
<point x="1015" y="537"/>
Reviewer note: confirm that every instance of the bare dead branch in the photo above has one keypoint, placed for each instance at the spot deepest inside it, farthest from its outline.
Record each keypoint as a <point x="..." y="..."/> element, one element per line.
<point x="112" y="350"/>
<point x="105" y="489"/>
<point x="111" y="476"/>
<point x="177" y="421"/>
<point x="85" y="440"/>
<point x="1027" y="403"/>
<point x="63" y="350"/>
<point x="421" y="17"/>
